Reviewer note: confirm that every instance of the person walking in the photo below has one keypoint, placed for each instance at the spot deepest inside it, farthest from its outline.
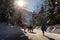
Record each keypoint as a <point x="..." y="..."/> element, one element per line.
<point x="30" y="28"/>
<point x="43" y="28"/>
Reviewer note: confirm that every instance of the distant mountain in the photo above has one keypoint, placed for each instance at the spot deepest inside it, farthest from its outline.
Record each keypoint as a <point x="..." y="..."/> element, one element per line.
<point x="27" y="15"/>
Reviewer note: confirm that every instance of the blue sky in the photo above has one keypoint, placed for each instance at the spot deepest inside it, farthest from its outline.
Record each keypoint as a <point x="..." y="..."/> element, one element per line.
<point x="32" y="4"/>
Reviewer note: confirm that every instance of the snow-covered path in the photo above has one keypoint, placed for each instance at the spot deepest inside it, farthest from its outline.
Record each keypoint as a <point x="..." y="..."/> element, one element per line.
<point x="12" y="31"/>
<point x="37" y="35"/>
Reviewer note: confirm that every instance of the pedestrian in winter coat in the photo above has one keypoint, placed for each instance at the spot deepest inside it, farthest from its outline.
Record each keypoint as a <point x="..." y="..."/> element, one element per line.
<point x="43" y="28"/>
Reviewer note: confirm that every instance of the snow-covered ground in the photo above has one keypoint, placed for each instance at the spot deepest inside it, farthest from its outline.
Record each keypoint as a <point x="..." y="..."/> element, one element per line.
<point x="37" y="35"/>
<point x="9" y="31"/>
<point x="54" y="28"/>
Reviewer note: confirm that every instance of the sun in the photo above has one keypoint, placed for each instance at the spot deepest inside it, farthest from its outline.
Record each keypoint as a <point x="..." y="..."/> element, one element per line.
<point x="20" y="3"/>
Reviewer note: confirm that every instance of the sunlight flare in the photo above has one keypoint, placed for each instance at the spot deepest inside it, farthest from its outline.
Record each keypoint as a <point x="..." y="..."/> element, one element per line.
<point x="20" y="3"/>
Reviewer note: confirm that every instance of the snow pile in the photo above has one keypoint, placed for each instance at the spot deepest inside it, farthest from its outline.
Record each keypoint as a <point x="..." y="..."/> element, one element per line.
<point x="54" y="29"/>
